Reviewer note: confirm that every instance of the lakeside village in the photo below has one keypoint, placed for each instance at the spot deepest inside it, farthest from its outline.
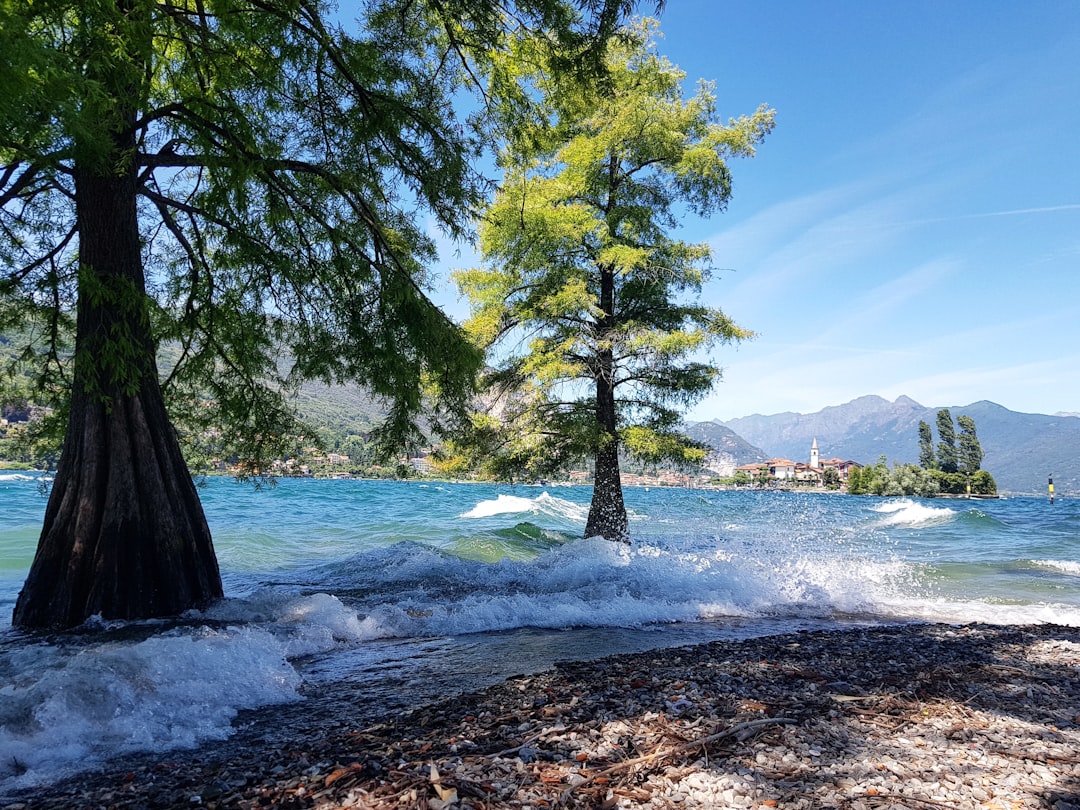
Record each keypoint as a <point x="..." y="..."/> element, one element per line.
<point x="717" y="473"/>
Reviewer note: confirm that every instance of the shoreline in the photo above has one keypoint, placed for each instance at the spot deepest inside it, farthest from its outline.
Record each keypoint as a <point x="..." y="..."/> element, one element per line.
<point x="919" y="716"/>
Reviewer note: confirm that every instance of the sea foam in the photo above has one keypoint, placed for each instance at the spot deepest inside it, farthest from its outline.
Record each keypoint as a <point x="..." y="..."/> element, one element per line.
<point x="905" y="512"/>
<point x="1061" y="566"/>
<point x="544" y="504"/>
<point x="68" y="707"/>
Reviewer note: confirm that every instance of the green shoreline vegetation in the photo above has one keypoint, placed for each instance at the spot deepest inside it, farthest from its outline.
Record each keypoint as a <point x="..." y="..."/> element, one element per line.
<point x="332" y="449"/>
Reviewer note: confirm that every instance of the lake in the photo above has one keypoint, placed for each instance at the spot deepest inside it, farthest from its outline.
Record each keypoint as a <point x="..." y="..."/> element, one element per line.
<point x="412" y="590"/>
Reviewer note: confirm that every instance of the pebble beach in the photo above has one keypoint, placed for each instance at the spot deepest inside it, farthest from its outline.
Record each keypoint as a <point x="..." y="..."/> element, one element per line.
<point x="910" y="716"/>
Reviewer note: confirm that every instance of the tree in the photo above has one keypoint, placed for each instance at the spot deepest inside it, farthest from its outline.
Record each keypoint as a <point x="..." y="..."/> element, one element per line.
<point x="763" y="478"/>
<point x="234" y="179"/>
<point x="584" y="290"/>
<point x="970" y="454"/>
<point x="982" y="483"/>
<point x="830" y="478"/>
<point x="946" y="449"/>
<point x="926" y="446"/>
<point x="950" y="483"/>
<point x="903" y="479"/>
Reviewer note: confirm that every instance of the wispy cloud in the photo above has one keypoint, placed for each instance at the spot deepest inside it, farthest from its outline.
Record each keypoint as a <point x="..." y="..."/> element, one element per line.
<point x="1016" y="212"/>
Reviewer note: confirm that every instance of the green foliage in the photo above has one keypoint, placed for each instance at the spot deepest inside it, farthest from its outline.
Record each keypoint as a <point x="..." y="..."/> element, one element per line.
<point x="970" y="454"/>
<point x="916" y="481"/>
<point x="983" y="483"/>
<point x="653" y="447"/>
<point x="32" y="399"/>
<point x="287" y="173"/>
<point x="953" y="483"/>
<point x="830" y="478"/>
<point x="955" y="470"/>
<point x="946" y="448"/>
<point x="585" y="300"/>
<point x="31" y="444"/>
<point x="741" y="478"/>
<point x="904" y="479"/>
<point x="927" y="459"/>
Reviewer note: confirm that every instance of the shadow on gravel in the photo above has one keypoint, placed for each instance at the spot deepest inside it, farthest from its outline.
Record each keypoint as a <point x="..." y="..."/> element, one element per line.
<point x="920" y="716"/>
<point x="924" y="715"/>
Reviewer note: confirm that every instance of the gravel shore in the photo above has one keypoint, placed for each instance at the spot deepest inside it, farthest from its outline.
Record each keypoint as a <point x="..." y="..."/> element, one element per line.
<point x="914" y="716"/>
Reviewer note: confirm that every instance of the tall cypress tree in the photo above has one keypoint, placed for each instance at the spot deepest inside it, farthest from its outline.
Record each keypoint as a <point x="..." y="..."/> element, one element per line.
<point x="970" y="452"/>
<point x="584" y="282"/>
<point x="946" y="449"/>
<point x="926" y="446"/>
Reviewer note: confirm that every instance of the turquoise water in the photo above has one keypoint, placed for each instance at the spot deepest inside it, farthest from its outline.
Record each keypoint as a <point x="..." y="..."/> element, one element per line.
<point x="411" y="590"/>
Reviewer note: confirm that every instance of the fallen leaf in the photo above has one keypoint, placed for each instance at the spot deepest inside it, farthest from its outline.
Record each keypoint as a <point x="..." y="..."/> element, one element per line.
<point x="333" y="776"/>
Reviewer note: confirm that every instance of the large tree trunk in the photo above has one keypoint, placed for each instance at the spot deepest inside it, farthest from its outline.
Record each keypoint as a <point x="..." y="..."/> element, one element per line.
<point x="124" y="535"/>
<point x="607" y="512"/>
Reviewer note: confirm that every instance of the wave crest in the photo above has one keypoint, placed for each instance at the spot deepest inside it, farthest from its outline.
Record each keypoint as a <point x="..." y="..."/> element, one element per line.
<point x="905" y="512"/>
<point x="543" y="504"/>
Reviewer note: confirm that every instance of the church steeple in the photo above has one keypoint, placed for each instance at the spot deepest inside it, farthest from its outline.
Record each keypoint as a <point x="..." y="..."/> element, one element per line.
<point x="815" y="462"/>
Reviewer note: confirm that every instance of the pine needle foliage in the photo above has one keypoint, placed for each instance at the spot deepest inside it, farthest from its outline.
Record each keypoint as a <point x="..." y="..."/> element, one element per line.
<point x="586" y="300"/>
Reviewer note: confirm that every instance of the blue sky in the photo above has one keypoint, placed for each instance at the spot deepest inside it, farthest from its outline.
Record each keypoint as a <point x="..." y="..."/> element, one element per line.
<point x="912" y="225"/>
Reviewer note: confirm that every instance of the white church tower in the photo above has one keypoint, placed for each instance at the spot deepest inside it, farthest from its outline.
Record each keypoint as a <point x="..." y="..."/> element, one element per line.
<point x="815" y="462"/>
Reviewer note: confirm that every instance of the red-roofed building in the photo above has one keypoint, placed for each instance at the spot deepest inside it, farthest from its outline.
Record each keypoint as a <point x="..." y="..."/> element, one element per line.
<point x="782" y="469"/>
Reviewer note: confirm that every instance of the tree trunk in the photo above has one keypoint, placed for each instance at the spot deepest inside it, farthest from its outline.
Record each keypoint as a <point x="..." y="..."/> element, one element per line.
<point x="124" y="535"/>
<point x="607" y="512"/>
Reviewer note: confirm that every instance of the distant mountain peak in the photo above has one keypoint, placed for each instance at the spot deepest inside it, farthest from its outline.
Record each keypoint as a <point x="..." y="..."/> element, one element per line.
<point x="1019" y="447"/>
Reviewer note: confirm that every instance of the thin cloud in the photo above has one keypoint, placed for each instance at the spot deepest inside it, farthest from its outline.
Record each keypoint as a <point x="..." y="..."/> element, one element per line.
<point x="1016" y="212"/>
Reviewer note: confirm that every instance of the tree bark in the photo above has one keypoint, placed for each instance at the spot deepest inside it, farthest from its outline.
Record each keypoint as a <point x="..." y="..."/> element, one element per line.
<point x="124" y="535"/>
<point x="607" y="511"/>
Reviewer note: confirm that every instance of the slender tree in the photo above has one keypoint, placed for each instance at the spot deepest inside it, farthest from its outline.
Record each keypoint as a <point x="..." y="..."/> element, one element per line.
<point x="946" y="449"/>
<point x="585" y="293"/>
<point x="970" y="453"/>
<point x="830" y="478"/>
<point x="927" y="459"/>
<point x="234" y="178"/>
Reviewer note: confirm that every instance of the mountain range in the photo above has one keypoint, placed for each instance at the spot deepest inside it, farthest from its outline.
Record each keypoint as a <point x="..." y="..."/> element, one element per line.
<point x="1021" y="450"/>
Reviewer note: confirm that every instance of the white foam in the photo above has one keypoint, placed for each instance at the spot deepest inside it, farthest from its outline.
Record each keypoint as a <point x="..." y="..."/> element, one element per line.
<point x="905" y="512"/>
<point x="598" y="583"/>
<point x="1062" y="566"/>
<point x="502" y="505"/>
<point x="543" y="503"/>
<point x="958" y="611"/>
<point x="4" y="477"/>
<point x="70" y="709"/>
<point x="320" y="622"/>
